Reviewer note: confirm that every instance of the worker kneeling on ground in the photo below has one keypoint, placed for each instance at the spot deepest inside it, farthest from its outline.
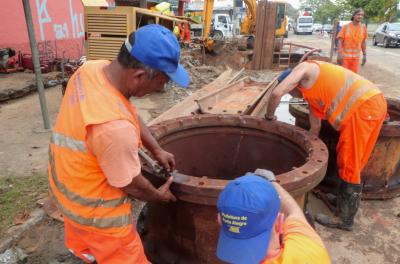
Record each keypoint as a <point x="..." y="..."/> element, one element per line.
<point x="254" y="231"/>
<point x="354" y="107"/>
<point x="94" y="163"/>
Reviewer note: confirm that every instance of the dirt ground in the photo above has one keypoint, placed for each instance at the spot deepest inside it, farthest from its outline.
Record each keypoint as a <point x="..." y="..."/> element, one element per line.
<point x="23" y="151"/>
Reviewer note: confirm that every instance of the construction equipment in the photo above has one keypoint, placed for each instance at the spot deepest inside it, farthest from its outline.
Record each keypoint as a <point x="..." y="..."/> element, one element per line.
<point x="249" y="23"/>
<point x="107" y="27"/>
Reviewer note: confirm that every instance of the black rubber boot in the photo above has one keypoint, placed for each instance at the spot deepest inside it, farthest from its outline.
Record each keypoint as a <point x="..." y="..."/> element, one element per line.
<point x="347" y="204"/>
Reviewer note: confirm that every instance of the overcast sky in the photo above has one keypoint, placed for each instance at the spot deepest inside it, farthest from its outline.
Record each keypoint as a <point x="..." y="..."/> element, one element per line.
<point x="294" y="3"/>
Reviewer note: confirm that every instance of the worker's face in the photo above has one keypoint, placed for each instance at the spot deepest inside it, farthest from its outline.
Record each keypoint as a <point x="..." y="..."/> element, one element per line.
<point x="146" y="83"/>
<point x="359" y="16"/>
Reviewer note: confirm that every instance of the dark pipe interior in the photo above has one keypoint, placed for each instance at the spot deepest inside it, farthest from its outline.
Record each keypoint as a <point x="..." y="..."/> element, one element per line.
<point x="229" y="152"/>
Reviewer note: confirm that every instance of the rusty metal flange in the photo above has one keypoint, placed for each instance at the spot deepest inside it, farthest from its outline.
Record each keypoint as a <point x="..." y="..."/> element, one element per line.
<point x="205" y="189"/>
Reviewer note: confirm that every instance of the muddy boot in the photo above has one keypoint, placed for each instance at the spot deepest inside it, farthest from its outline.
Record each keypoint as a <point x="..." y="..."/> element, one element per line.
<point x="347" y="203"/>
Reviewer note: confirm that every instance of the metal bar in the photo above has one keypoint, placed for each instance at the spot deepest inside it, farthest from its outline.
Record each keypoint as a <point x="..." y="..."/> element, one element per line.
<point x="36" y="63"/>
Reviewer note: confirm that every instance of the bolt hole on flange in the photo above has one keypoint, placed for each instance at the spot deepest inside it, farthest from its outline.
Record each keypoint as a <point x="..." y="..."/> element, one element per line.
<point x="304" y="172"/>
<point x="201" y="183"/>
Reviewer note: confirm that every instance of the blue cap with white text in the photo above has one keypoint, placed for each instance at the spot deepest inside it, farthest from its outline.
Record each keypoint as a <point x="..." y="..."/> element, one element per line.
<point x="158" y="48"/>
<point x="248" y="207"/>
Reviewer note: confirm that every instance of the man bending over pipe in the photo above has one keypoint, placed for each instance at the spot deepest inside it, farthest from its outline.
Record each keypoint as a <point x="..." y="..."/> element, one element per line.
<point x="353" y="106"/>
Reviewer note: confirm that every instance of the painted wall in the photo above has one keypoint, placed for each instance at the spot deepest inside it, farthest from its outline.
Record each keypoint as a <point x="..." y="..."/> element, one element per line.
<point x="59" y="27"/>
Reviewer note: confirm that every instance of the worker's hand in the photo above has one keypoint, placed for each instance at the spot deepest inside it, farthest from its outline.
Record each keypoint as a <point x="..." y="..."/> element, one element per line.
<point x="165" y="193"/>
<point x="166" y="159"/>
<point x="364" y="60"/>
<point x="270" y="118"/>
<point x="339" y="59"/>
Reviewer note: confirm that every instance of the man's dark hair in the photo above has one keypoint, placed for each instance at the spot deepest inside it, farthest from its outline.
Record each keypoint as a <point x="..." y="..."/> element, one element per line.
<point x="358" y="10"/>
<point x="126" y="59"/>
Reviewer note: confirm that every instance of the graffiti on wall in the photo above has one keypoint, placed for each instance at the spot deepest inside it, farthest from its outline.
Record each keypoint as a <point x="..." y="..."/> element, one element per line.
<point x="60" y="30"/>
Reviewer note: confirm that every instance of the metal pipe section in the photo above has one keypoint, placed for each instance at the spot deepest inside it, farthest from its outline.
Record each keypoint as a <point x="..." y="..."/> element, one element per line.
<point x="381" y="176"/>
<point x="211" y="150"/>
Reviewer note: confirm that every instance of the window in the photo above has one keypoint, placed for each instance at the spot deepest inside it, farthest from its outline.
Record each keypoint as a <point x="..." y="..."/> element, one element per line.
<point x="394" y="27"/>
<point x="305" y="20"/>
<point x="222" y="19"/>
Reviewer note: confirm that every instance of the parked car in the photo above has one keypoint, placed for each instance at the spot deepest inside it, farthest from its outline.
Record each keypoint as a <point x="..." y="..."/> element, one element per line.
<point x="388" y="34"/>
<point x="328" y="28"/>
<point x="317" y="27"/>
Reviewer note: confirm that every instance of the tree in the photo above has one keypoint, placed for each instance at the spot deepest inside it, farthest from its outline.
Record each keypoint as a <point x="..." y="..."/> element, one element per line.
<point x="376" y="10"/>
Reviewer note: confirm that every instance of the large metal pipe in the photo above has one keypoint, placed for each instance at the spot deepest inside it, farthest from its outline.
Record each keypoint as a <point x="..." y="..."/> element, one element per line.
<point x="381" y="176"/>
<point x="210" y="150"/>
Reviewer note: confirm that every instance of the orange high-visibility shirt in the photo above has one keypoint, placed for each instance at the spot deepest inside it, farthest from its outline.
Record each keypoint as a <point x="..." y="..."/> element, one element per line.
<point x="301" y="245"/>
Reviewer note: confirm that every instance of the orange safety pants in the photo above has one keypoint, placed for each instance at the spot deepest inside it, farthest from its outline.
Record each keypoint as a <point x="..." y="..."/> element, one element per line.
<point x="358" y="137"/>
<point x="351" y="64"/>
<point x="91" y="246"/>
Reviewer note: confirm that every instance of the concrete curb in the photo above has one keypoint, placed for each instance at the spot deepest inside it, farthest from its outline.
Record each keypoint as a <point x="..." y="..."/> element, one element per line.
<point x="14" y="233"/>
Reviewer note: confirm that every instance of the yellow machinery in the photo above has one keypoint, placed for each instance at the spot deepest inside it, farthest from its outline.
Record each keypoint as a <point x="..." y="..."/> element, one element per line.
<point x="208" y="13"/>
<point x="249" y="23"/>
<point x="106" y="28"/>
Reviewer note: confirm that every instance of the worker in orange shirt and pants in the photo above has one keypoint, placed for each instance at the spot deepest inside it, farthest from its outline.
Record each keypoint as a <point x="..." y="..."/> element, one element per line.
<point x="352" y="39"/>
<point x="185" y="34"/>
<point x="93" y="154"/>
<point x="353" y="106"/>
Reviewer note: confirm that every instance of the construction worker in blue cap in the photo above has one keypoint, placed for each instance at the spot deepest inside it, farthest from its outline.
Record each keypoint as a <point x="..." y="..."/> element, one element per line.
<point x="261" y="223"/>
<point x="93" y="159"/>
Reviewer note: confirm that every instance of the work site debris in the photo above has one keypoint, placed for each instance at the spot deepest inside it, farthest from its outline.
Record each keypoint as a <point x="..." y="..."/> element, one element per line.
<point x="13" y="256"/>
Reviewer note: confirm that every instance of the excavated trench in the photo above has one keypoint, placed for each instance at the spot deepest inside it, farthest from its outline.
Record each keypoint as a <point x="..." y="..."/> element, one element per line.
<point x="381" y="176"/>
<point x="210" y="150"/>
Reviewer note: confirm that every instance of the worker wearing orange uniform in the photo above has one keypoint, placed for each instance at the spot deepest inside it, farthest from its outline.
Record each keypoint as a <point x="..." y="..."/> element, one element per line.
<point x="253" y="230"/>
<point x="93" y="156"/>
<point x="185" y="34"/>
<point x="352" y="40"/>
<point x="353" y="106"/>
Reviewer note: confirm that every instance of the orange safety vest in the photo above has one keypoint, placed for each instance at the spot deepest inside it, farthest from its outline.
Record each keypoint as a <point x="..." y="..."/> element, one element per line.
<point x="76" y="179"/>
<point x="352" y="39"/>
<point x="337" y="93"/>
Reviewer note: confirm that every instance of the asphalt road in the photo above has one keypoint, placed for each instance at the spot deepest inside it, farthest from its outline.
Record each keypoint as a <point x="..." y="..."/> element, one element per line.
<point x="385" y="58"/>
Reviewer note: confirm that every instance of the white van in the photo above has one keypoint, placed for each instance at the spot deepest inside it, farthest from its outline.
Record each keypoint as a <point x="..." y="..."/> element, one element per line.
<point x="303" y="24"/>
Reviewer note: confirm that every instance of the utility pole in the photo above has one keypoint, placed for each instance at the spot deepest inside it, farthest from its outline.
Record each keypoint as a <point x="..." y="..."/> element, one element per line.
<point x="36" y="63"/>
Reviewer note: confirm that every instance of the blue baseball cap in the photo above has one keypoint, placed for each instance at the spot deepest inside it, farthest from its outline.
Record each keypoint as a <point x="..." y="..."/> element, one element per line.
<point x="248" y="207"/>
<point x="158" y="48"/>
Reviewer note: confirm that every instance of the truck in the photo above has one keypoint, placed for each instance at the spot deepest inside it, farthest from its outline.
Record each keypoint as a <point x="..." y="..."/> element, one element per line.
<point x="221" y="26"/>
<point x="303" y="25"/>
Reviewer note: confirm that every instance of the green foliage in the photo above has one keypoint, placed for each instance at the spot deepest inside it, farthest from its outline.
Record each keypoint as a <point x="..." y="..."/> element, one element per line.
<point x="375" y="10"/>
<point x="18" y="194"/>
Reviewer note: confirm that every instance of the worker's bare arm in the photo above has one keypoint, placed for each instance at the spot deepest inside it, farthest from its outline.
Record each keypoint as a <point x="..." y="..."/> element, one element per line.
<point x="141" y="189"/>
<point x="289" y="206"/>
<point x="364" y="51"/>
<point x="315" y="124"/>
<point x="290" y="83"/>
<point x="340" y="51"/>
<point x="166" y="159"/>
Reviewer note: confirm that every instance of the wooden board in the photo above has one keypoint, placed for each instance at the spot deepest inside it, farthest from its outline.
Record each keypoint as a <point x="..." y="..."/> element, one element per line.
<point x="188" y="106"/>
<point x="261" y="108"/>
<point x="265" y="35"/>
<point x="237" y="98"/>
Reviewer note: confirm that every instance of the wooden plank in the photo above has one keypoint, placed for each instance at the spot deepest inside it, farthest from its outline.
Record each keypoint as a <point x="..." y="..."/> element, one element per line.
<point x="269" y="35"/>
<point x="237" y="98"/>
<point x="261" y="108"/>
<point x="188" y="106"/>
<point x="259" y="32"/>
<point x="265" y="35"/>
